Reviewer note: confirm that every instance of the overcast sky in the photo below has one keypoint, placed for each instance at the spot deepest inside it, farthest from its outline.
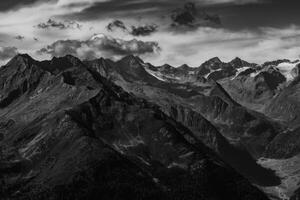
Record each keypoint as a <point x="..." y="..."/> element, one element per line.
<point x="159" y="31"/>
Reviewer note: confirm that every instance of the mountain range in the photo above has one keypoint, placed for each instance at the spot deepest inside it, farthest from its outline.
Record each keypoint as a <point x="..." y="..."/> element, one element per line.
<point x="103" y="129"/>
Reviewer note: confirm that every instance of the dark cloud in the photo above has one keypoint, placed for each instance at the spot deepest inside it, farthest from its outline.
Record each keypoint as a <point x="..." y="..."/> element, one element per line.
<point x="181" y="14"/>
<point x="35" y="39"/>
<point x="143" y="30"/>
<point x="144" y="8"/>
<point x="59" y="25"/>
<point x="190" y="16"/>
<point x="100" y="45"/>
<point x="234" y="14"/>
<point x="116" y="24"/>
<point x="126" y="8"/>
<point x="15" y="4"/>
<point x="7" y="52"/>
<point x="263" y="13"/>
<point x="19" y="37"/>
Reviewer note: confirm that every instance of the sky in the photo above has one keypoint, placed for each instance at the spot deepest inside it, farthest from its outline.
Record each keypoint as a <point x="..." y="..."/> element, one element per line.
<point x="159" y="31"/>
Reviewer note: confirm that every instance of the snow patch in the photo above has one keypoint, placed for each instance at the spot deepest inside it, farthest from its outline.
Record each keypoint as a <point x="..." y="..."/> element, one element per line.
<point x="286" y="69"/>
<point x="240" y="70"/>
<point x="32" y="148"/>
<point x="212" y="71"/>
<point x="155" y="74"/>
<point x="254" y="74"/>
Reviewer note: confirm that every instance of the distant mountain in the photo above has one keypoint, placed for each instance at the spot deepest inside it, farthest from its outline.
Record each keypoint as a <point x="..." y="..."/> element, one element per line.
<point x="215" y="69"/>
<point x="254" y="87"/>
<point x="239" y="63"/>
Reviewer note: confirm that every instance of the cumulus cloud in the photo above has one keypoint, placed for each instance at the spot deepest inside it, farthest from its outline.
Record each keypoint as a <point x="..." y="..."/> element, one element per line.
<point x="59" y="25"/>
<point x="116" y="24"/>
<point x="7" y="53"/>
<point x="100" y="45"/>
<point x="143" y="30"/>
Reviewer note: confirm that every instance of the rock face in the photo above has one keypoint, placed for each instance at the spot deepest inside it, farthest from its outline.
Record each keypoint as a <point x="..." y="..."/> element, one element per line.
<point x="254" y="88"/>
<point x="284" y="145"/>
<point x="69" y="133"/>
<point x="236" y="156"/>
<point x="285" y="106"/>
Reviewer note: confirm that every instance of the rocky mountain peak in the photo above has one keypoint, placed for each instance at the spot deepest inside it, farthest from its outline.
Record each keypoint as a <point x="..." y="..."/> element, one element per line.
<point x="184" y="67"/>
<point x="214" y="60"/>
<point x="24" y="56"/>
<point x="68" y="59"/>
<point x="133" y="68"/>
<point x="211" y="64"/>
<point x="166" y="67"/>
<point x="59" y="64"/>
<point x="132" y="60"/>
<point x="275" y="62"/>
<point x="21" y="59"/>
<point x="237" y="62"/>
<point x="101" y="60"/>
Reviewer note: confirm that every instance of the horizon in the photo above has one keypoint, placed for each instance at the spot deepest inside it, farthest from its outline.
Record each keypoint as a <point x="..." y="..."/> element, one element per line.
<point x="40" y="60"/>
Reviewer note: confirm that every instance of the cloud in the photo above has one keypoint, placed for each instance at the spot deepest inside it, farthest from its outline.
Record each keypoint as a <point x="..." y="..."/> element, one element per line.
<point x="59" y="25"/>
<point x="100" y="45"/>
<point x="7" y="53"/>
<point x="145" y="8"/>
<point x="206" y="42"/>
<point x="239" y="2"/>
<point x="15" y="4"/>
<point x="143" y="30"/>
<point x="190" y="17"/>
<point x="19" y="37"/>
<point x="116" y="24"/>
